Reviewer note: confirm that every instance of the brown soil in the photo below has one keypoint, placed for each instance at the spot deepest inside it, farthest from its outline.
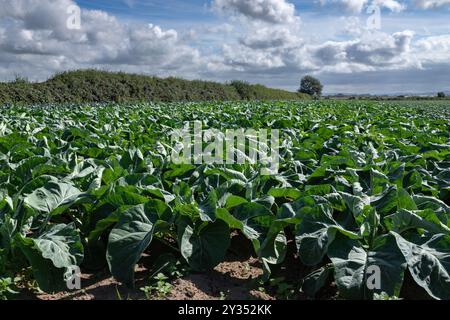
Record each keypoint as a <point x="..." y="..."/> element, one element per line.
<point x="229" y="280"/>
<point x="235" y="278"/>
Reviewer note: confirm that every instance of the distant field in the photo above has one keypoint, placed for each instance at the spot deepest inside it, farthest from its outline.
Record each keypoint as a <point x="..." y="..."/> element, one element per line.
<point x="359" y="207"/>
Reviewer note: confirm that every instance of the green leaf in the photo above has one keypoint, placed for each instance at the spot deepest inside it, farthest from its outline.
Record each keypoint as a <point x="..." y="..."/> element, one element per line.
<point x="316" y="232"/>
<point x="61" y="244"/>
<point x="405" y="201"/>
<point x="86" y="175"/>
<point x="52" y="255"/>
<point x="429" y="263"/>
<point x="424" y="202"/>
<point x="404" y="220"/>
<point x="352" y="264"/>
<point x="207" y="209"/>
<point x="356" y="204"/>
<point x="124" y="196"/>
<point x="227" y="217"/>
<point x="162" y="194"/>
<point x="6" y="199"/>
<point x="245" y="219"/>
<point x="204" y="245"/>
<point x="253" y="215"/>
<point x="54" y="198"/>
<point x="234" y="201"/>
<point x="8" y="227"/>
<point x="396" y="175"/>
<point x="228" y="174"/>
<point x="315" y="281"/>
<point x="131" y="237"/>
<point x="49" y="278"/>
<point x="247" y="211"/>
<point x="289" y="193"/>
<point x="413" y="180"/>
<point x="386" y="201"/>
<point x="370" y="225"/>
<point x="273" y="248"/>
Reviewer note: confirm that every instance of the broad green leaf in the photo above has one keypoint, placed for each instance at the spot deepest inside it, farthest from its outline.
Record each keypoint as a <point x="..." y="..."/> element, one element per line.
<point x="207" y="208"/>
<point x="356" y="270"/>
<point x="429" y="263"/>
<point x="204" y="246"/>
<point x="404" y="220"/>
<point x="5" y="199"/>
<point x="273" y="249"/>
<point x="315" y="281"/>
<point x="52" y="255"/>
<point x="316" y="232"/>
<point x="386" y="201"/>
<point x="356" y="204"/>
<point x="61" y="244"/>
<point x="405" y="201"/>
<point x="131" y="237"/>
<point x="426" y="202"/>
<point x="290" y="193"/>
<point x="54" y="198"/>
<point x="234" y="201"/>
<point x="49" y="278"/>
<point x="8" y="227"/>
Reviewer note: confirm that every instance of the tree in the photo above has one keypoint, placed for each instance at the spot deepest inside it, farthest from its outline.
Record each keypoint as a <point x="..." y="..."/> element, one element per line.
<point x="441" y="95"/>
<point x="311" y="86"/>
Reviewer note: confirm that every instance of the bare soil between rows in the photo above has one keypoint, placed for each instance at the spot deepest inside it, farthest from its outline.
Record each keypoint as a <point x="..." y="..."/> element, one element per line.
<point x="230" y="280"/>
<point x="234" y="279"/>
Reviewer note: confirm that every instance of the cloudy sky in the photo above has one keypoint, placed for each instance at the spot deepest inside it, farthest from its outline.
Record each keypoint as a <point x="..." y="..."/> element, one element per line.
<point x="353" y="46"/>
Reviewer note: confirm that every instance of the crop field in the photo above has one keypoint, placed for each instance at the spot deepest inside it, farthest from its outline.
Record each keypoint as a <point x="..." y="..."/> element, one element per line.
<point x="360" y="201"/>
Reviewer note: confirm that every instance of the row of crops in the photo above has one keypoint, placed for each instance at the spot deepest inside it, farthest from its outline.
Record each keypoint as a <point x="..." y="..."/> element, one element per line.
<point x="361" y="187"/>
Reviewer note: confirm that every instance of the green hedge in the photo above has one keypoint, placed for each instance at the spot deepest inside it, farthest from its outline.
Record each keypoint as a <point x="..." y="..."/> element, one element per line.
<point x="100" y="86"/>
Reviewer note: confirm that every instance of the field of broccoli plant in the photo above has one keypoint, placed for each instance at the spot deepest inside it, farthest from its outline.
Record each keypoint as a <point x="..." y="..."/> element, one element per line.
<point x="363" y="191"/>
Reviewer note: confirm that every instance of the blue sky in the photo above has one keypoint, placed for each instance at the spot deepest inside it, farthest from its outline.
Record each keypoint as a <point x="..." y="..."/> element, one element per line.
<point x="160" y="11"/>
<point x="166" y="11"/>
<point x="346" y="43"/>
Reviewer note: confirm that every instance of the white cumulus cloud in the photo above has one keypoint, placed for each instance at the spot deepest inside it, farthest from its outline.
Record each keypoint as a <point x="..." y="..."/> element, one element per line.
<point x="36" y="42"/>
<point x="272" y="11"/>
<point x="430" y="4"/>
<point x="357" y="6"/>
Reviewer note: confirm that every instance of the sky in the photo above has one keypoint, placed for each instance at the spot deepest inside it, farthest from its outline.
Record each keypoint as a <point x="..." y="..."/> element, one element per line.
<point x="352" y="46"/>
